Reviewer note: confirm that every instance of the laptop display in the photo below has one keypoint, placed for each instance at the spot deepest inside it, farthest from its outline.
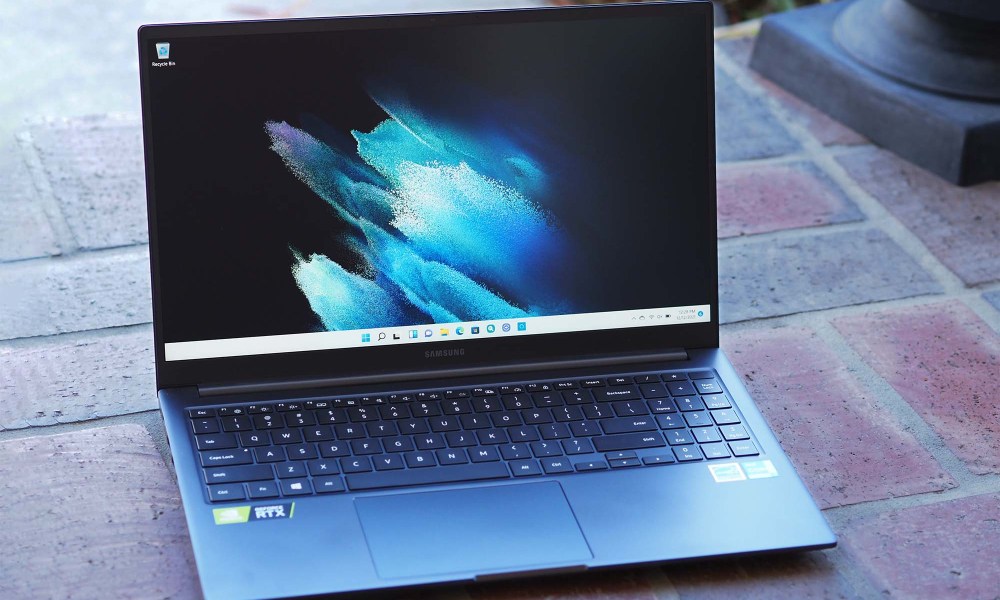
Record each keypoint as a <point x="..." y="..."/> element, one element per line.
<point x="356" y="188"/>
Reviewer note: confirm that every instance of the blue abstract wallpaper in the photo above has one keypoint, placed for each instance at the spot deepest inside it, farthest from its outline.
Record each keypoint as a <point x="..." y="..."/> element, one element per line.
<point x="443" y="220"/>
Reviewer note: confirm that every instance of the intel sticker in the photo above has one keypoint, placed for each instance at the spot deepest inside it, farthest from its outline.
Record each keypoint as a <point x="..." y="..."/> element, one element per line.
<point x="727" y="472"/>
<point x="760" y="469"/>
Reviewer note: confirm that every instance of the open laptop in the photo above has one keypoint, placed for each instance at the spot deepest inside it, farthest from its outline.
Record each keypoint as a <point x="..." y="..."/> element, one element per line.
<point x="435" y="300"/>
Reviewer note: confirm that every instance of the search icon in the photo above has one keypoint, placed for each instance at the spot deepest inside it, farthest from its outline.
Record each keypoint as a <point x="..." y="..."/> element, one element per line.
<point x="381" y="336"/>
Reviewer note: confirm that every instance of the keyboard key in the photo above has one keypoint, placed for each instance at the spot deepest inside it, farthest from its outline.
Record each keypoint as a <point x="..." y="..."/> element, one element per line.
<point x="734" y="432"/>
<point x="661" y="406"/>
<point x="706" y="435"/>
<point x="647" y="379"/>
<point x="492" y="436"/>
<point x="413" y="426"/>
<point x="253" y="439"/>
<point x="630" y="408"/>
<point x="388" y="462"/>
<point x="624" y="462"/>
<point x="525" y="468"/>
<point x="269" y="454"/>
<point x="626" y="425"/>
<point x="598" y="411"/>
<point x="511" y="389"/>
<point x="620" y="454"/>
<point x="670" y="421"/>
<point x="226" y="491"/>
<point x="231" y="411"/>
<point x="226" y="458"/>
<point x="328" y="485"/>
<point x="517" y="402"/>
<point x="525" y="433"/>
<point x="618" y="392"/>
<point x="398" y="444"/>
<point x="578" y="397"/>
<point x="201" y="413"/>
<point x="456" y="407"/>
<point x="479" y="391"/>
<point x="680" y="388"/>
<point x="322" y="467"/>
<point x="487" y="454"/>
<point x="701" y="374"/>
<point x="578" y="446"/>
<point x="620" y="380"/>
<point x="708" y="386"/>
<point x="715" y="450"/>
<point x="725" y="416"/>
<point x="389" y="479"/>
<point x="538" y="387"/>
<point x="539" y="416"/>
<point x="378" y="429"/>
<point x="360" y="414"/>
<point x="290" y="469"/>
<point x="333" y="449"/>
<point x="425" y="409"/>
<point x="429" y="441"/>
<point x="295" y="487"/>
<point x="236" y="423"/>
<point x="363" y="447"/>
<point x="556" y="465"/>
<point x="286" y="436"/>
<point x="357" y="464"/>
<point x="442" y="424"/>
<point x="301" y="451"/>
<point x="506" y="418"/>
<point x="461" y="439"/>
<point x="269" y="421"/>
<point x="238" y="473"/>
<point x="419" y="459"/>
<point x="555" y="431"/>
<point x="674" y="377"/>
<point x="263" y="489"/>
<point x="451" y="394"/>
<point x="658" y="459"/>
<point x="744" y="448"/>
<point x="393" y="412"/>
<point x="490" y="404"/>
<point x="687" y="453"/>
<point x="589" y="383"/>
<point x="716" y="401"/>
<point x="475" y="422"/>
<point x="545" y="449"/>
<point x="586" y="428"/>
<point x="215" y="441"/>
<point x="564" y="385"/>
<point x="205" y="425"/>
<point x="515" y="451"/>
<point x="320" y="433"/>
<point x="629" y="441"/>
<point x="679" y="437"/>
<point x="653" y="390"/>
<point x="690" y="403"/>
<point x="698" y="418"/>
<point x="336" y="416"/>
<point x="452" y="457"/>
<point x="592" y="465"/>
<point x="568" y="414"/>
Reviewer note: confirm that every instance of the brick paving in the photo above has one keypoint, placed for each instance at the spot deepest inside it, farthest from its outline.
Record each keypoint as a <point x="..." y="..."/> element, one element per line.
<point x="861" y="298"/>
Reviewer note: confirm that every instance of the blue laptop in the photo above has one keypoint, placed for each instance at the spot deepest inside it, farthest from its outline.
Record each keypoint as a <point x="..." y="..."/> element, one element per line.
<point x="436" y="300"/>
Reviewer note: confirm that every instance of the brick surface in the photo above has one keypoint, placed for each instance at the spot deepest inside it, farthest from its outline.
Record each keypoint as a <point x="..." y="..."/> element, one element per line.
<point x="810" y="575"/>
<point x="825" y="129"/>
<point x="92" y="514"/>
<point x="745" y="128"/>
<point x="84" y="292"/>
<point x="94" y="166"/>
<point x="846" y="448"/>
<point x="608" y="585"/>
<point x="764" y="278"/>
<point x="58" y="380"/>
<point x="24" y="228"/>
<point x="944" y="361"/>
<point x="761" y="198"/>
<point x="961" y="226"/>
<point x="944" y="550"/>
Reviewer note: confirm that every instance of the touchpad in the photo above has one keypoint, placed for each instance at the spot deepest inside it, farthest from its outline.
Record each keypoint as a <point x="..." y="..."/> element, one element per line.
<point x="478" y="530"/>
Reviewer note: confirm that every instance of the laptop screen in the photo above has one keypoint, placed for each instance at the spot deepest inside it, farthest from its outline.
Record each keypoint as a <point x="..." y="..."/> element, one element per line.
<point x="368" y="187"/>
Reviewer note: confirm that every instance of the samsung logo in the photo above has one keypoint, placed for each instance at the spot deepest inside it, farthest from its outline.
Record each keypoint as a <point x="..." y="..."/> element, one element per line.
<point x="443" y="353"/>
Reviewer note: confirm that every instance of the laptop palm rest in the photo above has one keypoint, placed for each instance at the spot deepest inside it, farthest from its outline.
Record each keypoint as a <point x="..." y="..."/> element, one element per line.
<point x="474" y="530"/>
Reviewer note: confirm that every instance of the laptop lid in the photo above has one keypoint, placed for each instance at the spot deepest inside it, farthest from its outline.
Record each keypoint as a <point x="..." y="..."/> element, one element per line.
<point x="375" y="195"/>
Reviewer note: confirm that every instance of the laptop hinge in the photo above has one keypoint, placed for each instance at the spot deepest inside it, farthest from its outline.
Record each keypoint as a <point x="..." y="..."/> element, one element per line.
<point x="298" y="384"/>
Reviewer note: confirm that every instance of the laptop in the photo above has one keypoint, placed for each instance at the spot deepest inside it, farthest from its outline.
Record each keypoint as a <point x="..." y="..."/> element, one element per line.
<point x="436" y="301"/>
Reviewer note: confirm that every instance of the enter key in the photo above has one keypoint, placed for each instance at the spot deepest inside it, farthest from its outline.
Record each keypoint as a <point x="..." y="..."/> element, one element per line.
<point x="629" y="424"/>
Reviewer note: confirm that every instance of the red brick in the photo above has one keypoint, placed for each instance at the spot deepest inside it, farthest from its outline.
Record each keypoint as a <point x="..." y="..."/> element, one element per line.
<point x="846" y="448"/>
<point x="824" y="128"/>
<point x="945" y="550"/>
<point x="808" y="575"/>
<point x="92" y="514"/>
<point x="960" y="226"/>
<point x="605" y="585"/>
<point x="760" y="198"/>
<point x="944" y="361"/>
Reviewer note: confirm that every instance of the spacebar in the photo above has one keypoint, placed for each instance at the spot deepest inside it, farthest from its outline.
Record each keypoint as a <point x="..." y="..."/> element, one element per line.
<point x="387" y="479"/>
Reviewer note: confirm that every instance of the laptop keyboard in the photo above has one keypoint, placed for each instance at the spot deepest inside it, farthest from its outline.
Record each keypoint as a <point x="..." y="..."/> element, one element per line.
<point x="367" y="442"/>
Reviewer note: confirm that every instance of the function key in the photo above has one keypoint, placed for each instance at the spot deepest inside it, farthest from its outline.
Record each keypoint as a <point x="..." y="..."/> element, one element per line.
<point x="372" y="400"/>
<point x="647" y="379"/>
<point x="619" y="380"/>
<point x="398" y="398"/>
<point x="591" y="383"/>
<point x="674" y="377"/>
<point x="479" y="391"/>
<point x="286" y="406"/>
<point x="452" y="394"/>
<point x="232" y="411"/>
<point x="258" y="409"/>
<point x="538" y="387"/>
<point x="511" y="389"/>
<point x="425" y="396"/>
<point x="701" y="374"/>
<point x="564" y="385"/>
<point x="707" y="386"/>
<point x="201" y="413"/>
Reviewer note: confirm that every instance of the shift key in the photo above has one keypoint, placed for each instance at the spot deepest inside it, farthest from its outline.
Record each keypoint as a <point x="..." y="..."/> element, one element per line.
<point x="629" y="441"/>
<point x="226" y="458"/>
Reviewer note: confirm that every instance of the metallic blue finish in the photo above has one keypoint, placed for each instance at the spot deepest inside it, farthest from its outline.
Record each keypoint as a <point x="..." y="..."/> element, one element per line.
<point x="643" y="515"/>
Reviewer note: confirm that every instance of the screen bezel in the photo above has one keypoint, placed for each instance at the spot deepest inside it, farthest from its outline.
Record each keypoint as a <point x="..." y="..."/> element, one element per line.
<point x="411" y="357"/>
